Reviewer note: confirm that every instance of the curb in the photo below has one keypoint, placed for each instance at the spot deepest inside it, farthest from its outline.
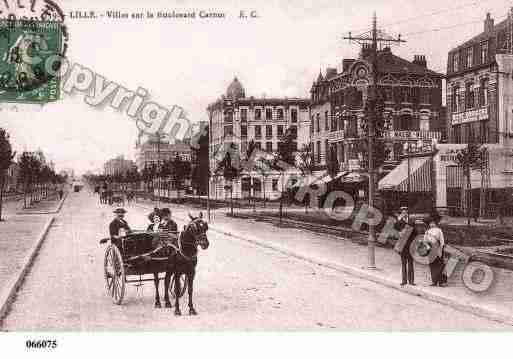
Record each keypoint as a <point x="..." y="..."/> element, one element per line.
<point x="56" y="210"/>
<point x="368" y="275"/>
<point x="9" y="292"/>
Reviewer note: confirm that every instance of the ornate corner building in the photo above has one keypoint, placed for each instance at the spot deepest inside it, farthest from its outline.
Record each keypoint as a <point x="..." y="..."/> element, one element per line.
<point x="412" y="99"/>
<point x="237" y="119"/>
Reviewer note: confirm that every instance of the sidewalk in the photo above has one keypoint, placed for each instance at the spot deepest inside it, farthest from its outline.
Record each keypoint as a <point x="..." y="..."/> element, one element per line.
<point x="20" y="238"/>
<point x="495" y="303"/>
<point x="18" y="235"/>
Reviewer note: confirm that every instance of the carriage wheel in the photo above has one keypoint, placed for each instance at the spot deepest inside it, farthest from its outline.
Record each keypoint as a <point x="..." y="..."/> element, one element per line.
<point x="183" y="285"/>
<point x="115" y="278"/>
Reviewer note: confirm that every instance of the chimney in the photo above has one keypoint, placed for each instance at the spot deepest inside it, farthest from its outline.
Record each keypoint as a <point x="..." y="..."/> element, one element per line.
<point x="488" y="23"/>
<point x="366" y="51"/>
<point x="331" y="72"/>
<point x="420" y="60"/>
<point x="346" y="64"/>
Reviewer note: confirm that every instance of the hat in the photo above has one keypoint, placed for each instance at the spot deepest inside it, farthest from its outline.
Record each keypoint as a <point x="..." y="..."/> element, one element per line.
<point x="119" y="210"/>
<point x="156" y="212"/>
<point x="434" y="217"/>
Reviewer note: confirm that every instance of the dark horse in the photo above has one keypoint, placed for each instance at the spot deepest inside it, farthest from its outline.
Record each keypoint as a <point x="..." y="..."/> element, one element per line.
<point x="183" y="260"/>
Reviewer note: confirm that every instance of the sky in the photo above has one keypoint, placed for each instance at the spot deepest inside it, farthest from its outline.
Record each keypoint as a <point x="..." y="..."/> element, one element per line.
<point x="190" y="63"/>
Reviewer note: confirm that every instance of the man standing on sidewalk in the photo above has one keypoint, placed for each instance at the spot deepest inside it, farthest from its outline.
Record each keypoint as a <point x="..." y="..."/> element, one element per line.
<point x="407" y="271"/>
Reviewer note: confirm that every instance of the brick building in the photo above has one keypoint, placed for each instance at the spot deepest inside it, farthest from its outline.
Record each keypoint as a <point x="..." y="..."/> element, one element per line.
<point x="479" y="107"/>
<point x="413" y="106"/>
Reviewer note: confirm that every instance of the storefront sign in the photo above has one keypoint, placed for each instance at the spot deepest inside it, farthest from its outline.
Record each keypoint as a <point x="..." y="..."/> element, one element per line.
<point x="470" y="116"/>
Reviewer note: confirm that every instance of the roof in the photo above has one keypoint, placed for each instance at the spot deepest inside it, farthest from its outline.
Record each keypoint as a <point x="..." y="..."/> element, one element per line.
<point x="483" y="36"/>
<point x="390" y="63"/>
<point x="235" y="90"/>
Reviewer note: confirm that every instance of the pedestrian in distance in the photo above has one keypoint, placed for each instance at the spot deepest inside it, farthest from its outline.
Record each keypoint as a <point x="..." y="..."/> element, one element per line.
<point x="434" y="237"/>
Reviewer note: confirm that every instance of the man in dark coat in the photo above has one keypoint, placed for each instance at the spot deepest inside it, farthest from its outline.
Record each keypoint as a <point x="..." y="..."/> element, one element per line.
<point x="118" y="223"/>
<point x="407" y="271"/>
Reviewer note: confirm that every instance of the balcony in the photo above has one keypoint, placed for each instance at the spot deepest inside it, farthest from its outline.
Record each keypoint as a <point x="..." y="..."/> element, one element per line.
<point x="413" y="135"/>
<point x="336" y="136"/>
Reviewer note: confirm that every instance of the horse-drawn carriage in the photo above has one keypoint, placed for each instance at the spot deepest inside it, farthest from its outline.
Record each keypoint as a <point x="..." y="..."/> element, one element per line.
<point x="140" y="253"/>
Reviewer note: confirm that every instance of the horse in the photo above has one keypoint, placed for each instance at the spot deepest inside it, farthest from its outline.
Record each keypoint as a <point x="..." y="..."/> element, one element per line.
<point x="183" y="260"/>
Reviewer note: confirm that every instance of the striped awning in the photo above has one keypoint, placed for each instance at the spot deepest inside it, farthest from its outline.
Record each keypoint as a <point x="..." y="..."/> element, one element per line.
<point x="420" y="176"/>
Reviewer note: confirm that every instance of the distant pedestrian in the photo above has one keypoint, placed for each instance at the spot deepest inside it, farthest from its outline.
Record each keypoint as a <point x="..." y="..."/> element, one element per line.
<point x="61" y="193"/>
<point x="435" y="238"/>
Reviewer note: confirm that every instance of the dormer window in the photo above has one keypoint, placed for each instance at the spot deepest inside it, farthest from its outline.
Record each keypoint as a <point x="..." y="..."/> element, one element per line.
<point x="455" y="61"/>
<point x="470" y="57"/>
<point x="484" y="52"/>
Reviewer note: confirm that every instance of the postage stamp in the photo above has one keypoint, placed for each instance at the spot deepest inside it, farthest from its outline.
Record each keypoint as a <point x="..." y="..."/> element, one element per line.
<point x="25" y="45"/>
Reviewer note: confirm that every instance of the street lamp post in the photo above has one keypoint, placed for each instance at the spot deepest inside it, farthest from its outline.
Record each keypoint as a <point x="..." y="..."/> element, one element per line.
<point x="407" y="147"/>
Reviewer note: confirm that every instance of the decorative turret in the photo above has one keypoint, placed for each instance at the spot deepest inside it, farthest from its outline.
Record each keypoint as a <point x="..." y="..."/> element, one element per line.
<point x="235" y="90"/>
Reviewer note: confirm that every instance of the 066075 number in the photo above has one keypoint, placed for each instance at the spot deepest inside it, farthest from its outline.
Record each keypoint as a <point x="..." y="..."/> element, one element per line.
<point x="41" y="344"/>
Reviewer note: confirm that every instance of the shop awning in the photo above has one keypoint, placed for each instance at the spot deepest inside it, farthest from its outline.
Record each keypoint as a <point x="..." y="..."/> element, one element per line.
<point x="420" y="176"/>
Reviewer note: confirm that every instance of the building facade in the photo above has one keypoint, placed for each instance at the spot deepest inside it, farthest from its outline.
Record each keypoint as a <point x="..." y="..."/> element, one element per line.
<point x="479" y="108"/>
<point x="238" y="119"/>
<point x="118" y="165"/>
<point x="412" y="96"/>
<point x="152" y="152"/>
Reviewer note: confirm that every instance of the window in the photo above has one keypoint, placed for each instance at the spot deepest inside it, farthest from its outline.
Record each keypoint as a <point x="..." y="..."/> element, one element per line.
<point x="318" y="152"/>
<point x="455" y="61"/>
<point x="318" y="120"/>
<point x="484" y="52"/>
<point x="389" y="95"/>
<point x="275" y="184"/>
<point x="406" y="94"/>
<point x="455" y="98"/>
<point x="326" y="150"/>
<point x="280" y="114"/>
<point x="312" y="124"/>
<point x="269" y="131"/>
<point x="243" y="131"/>
<point x="457" y="134"/>
<point x="269" y="146"/>
<point x="359" y="99"/>
<point x="258" y="145"/>
<point x="333" y="122"/>
<point x="470" y="57"/>
<point x="258" y="114"/>
<point x="404" y="122"/>
<point x="483" y="92"/>
<point x="469" y="96"/>
<point x="312" y="149"/>
<point x="268" y="114"/>
<point x="228" y="130"/>
<point x="425" y="95"/>
<point x="243" y="115"/>
<point x="293" y="130"/>
<point x="258" y="131"/>
<point x="294" y="146"/>
<point x="326" y="121"/>
<point x="293" y="115"/>
<point x="484" y="131"/>
<point x="228" y="116"/>
<point x="280" y="130"/>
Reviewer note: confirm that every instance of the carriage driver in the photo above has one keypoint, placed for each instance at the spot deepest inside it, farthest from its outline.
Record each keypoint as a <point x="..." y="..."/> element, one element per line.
<point x="118" y="224"/>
